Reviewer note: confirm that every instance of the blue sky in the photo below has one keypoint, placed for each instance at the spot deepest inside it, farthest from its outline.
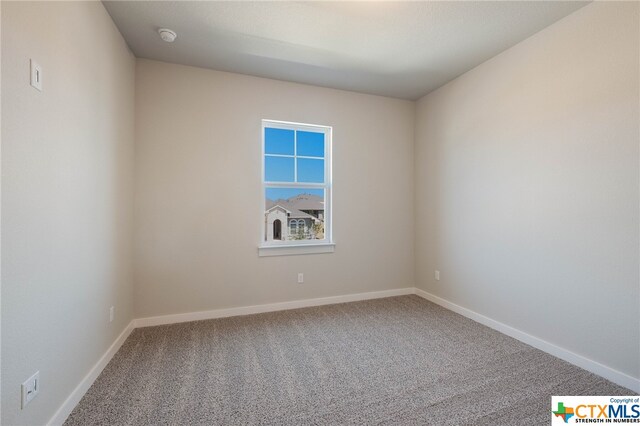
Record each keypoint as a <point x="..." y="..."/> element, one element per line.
<point x="284" y="193"/>
<point x="283" y="142"/>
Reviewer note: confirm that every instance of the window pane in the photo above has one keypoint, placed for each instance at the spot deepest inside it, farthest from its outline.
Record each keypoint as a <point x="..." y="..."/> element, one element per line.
<point x="278" y="169"/>
<point x="278" y="141"/>
<point x="310" y="144"/>
<point x="310" y="170"/>
<point x="294" y="214"/>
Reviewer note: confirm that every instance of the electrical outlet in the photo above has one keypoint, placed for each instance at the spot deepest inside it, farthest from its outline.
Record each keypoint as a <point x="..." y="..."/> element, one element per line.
<point x="437" y="275"/>
<point x="111" y="312"/>
<point x="300" y="278"/>
<point x="30" y="389"/>
<point x="36" y="75"/>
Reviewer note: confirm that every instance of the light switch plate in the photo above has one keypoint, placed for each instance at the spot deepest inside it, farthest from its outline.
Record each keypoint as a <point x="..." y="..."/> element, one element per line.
<point x="36" y="75"/>
<point x="30" y="388"/>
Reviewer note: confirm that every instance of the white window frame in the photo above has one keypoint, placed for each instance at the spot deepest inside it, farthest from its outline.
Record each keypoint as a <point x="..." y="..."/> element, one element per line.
<point x="290" y="247"/>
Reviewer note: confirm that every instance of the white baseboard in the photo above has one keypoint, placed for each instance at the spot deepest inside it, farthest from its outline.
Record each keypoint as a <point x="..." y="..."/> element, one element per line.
<point x="593" y="366"/>
<point x="76" y="395"/>
<point x="271" y="307"/>
<point x="608" y="373"/>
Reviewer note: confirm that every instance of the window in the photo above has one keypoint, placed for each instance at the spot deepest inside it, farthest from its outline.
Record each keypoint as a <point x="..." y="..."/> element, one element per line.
<point x="296" y="182"/>
<point x="297" y="226"/>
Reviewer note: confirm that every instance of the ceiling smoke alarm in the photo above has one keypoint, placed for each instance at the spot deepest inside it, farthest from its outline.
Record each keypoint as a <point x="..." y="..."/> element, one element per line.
<point x="167" y="35"/>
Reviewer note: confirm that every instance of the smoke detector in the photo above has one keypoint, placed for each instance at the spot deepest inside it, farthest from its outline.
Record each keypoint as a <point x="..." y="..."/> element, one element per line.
<point x="167" y="35"/>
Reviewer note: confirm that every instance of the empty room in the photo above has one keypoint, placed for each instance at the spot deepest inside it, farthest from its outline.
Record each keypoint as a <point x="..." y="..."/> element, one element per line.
<point x="320" y="213"/>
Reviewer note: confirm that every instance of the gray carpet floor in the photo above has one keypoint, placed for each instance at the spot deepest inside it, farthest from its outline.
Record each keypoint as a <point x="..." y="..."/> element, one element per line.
<point x="400" y="361"/>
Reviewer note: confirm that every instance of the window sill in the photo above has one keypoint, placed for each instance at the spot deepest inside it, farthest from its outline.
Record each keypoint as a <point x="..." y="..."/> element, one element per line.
<point x="291" y="250"/>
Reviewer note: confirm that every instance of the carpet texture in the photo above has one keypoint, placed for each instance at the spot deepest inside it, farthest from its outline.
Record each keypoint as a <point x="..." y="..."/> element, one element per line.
<point x="400" y="361"/>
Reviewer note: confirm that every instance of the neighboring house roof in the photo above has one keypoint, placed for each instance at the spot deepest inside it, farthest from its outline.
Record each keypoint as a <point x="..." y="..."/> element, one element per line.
<point x="277" y="206"/>
<point x="295" y="205"/>
<point x="307" y="202"/>
<point x="297" y="214"/>
<point x="293" y="214"/>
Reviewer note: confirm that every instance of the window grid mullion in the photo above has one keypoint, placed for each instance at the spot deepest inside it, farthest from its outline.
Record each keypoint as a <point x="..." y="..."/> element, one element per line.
<point x="295" y="155"/>
<point x="279" y="155"/>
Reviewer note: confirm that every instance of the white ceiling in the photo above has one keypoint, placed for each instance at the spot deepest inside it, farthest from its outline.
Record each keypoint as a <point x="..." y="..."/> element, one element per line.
<point x="397" y="49"/>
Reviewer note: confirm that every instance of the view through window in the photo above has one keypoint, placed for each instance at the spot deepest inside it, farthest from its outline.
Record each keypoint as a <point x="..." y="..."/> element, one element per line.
<point x="296" y="180"/>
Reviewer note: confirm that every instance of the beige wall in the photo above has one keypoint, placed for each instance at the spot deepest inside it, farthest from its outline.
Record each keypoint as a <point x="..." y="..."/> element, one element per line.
<point x="198" y="187"/>
<point x="527" y="186"/>
<point x="526" y="191"/>
<point x="67" y="171"/>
